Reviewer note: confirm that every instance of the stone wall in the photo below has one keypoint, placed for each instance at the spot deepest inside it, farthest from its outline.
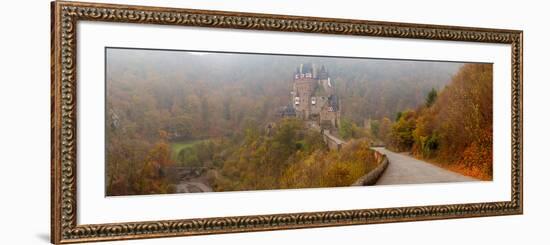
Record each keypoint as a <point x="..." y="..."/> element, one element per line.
<point x="333" y="142"/>
<point x="372" y="177"/>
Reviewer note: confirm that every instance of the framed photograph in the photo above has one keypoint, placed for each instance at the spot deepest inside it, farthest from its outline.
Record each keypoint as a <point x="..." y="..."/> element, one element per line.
<point x="175" y="122"/>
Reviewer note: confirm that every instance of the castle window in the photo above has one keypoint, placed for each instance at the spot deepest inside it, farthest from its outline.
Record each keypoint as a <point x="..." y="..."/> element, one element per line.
<point x="313" y="101"/>
<point x="297" y="100"/>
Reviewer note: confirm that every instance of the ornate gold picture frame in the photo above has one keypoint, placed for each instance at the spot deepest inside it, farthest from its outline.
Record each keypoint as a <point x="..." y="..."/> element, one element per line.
<point x="64" y="40"/>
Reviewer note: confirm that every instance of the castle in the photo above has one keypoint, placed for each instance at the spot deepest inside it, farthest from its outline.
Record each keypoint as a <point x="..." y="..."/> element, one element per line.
<point x="313" y="97"/>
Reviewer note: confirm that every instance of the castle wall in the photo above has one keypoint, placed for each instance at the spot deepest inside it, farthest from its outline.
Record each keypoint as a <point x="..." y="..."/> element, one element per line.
<point x="328" y="89"/>
<point x="330" y="116"/>
<point x="304" y="90"/>
<point x="312" y="82"/>
<point x="333" y="142"/>
<point x="320" y="101"/>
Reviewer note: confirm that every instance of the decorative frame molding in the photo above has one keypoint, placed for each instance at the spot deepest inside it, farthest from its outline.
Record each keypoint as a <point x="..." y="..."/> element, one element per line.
<point x="65" y="16"/>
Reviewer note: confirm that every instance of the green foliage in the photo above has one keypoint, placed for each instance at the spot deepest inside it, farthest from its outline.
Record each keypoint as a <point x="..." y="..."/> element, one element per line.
<point x="345" y="129"/>
<point x="402" y="131"/>
<point x="375" y="128"/>
<point x="428" y="144"/>
<point x="258" y="162"/>
<point x="188" y="157"/>
<point x="286" y="136"/>
<point x="398" y="115"/>
<point x="431" y="97"/>
<point x="177" y="146"/>
<point x="349" y="130"/>
<point x="198" y="153"/>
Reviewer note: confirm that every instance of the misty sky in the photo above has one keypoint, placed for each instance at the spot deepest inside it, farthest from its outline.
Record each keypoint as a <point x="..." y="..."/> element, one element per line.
<point x="381" y="86"/>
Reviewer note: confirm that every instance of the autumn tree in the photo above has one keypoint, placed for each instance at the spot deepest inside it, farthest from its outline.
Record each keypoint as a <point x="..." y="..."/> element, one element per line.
<point x="455" y="127"/>
<point x="349" y="130"/>
<point x="223" y="102"/>
<point x="375" y="128"/>
<point x="431" y="97"/>
<point x="402" y="131"/>
<point x="384" y="133"/>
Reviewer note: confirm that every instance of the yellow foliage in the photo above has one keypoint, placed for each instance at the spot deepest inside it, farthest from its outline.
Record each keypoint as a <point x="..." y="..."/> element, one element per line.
<point x="456" y="129"/>
<point x="331" y="168"/>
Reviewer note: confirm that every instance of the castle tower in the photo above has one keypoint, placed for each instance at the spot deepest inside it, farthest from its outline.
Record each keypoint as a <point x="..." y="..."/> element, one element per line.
<point x="303" y="87"/>
<point x="313" y="96"/>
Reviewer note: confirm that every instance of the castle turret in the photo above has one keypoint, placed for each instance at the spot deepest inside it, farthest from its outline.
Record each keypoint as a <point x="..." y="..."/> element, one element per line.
<point x="313" y="96"/>
<point x="323" y="73"/>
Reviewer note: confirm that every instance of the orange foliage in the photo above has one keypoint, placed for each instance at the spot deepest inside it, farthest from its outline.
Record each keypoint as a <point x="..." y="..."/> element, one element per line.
<point x="477" y="159"/>
<point x="456" y="128"/>
<point x="129" y="175"/>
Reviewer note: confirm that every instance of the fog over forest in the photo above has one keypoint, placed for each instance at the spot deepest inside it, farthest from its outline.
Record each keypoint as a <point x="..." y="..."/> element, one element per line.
<point x="179" y="121"/>
<point x="368" y="88"/>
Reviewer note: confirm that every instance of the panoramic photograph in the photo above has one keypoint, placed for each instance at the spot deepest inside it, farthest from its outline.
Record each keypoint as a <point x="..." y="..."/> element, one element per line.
<point x="181" y="121"/>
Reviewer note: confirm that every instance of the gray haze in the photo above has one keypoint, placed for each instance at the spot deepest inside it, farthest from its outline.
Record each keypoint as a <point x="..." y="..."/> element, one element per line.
<point x="369" y="88"/>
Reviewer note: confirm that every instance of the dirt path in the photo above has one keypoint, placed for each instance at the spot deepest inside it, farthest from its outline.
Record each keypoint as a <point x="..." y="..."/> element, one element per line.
<point x="404" y="169"/>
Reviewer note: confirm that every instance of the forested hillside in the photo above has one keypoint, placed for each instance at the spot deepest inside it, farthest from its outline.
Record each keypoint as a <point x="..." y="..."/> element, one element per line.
<point x="205" y="95"/>
<point x="454" y="127"/>
<point x="167" y="108"/>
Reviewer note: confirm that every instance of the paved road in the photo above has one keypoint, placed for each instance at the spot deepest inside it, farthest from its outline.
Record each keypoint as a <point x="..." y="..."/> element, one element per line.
<point x="404" y="169"/>
<point x="192" y="187"/>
